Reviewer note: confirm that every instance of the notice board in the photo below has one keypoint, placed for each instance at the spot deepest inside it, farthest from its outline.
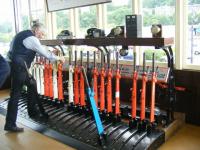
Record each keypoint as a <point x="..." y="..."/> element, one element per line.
<point x="54" y="5"/>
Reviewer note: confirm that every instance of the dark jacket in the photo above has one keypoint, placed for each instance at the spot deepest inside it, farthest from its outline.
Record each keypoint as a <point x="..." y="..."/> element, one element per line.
<point x="19" y="53"/>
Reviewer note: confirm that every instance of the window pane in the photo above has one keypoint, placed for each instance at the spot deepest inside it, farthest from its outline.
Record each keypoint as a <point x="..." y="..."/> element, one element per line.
<point x="116" y="12"/>
<point x="37" y="10"/>
<point x="88" y="19"/>
<point x="24" y="15"/>
<point x="7" y="25"/>
<point x="158" y="12"/>
<point x="193" y="52"/>
<point x="62" y="21"/>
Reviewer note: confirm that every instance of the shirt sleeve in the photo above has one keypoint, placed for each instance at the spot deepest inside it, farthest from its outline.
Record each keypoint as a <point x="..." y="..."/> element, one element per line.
<point x="34" y="44"/>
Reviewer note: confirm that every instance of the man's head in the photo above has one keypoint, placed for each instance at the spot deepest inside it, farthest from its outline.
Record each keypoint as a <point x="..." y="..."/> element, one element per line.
<point x="38" y="30"/>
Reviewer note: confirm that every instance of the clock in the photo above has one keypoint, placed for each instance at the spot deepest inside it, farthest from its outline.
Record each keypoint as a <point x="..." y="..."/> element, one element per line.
<point x="156" y="30"/>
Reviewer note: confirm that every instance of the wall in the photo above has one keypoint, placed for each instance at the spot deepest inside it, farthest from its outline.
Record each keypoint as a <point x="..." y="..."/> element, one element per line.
<point x="189" y="101"/>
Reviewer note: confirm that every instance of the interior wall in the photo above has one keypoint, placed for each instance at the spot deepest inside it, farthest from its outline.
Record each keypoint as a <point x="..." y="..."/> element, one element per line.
<point x="189" y="101"/>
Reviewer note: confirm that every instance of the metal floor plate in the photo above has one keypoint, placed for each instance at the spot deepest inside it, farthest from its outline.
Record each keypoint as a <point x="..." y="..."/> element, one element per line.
<point x="79" y="131"/>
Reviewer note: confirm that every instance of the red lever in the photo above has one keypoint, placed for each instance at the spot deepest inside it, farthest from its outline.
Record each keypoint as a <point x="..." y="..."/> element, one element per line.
<point x="102" y="91"/>
<point x="109" y="92"/>
<point x="117" y="94"/>
<point x="60" y="83"/>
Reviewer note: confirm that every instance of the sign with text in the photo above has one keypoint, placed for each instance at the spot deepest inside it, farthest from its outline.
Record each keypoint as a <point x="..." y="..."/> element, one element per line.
<point x="54" y="5"/>
<point x="127" y="70"/>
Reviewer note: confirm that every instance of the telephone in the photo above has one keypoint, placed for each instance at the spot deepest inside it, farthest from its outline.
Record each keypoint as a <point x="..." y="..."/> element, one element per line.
<point x="95" y="33"/>
<point x="65" y="34"/>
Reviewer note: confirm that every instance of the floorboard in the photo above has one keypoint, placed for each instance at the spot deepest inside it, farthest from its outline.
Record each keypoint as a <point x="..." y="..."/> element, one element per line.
<point x="186" y="138"/>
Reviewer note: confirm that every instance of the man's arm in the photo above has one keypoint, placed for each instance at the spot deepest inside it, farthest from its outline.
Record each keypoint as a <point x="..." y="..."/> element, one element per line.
<point x="34" y="44"/>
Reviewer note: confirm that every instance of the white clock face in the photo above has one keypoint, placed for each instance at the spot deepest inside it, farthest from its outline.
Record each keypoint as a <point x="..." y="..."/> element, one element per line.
<point x="117" y="30"/>
<point x="155" y="29"/>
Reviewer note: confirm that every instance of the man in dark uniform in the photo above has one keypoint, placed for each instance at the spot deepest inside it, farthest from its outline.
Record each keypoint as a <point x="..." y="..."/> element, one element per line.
<point x="24" y="47"/>
<point x="4" y="70"/>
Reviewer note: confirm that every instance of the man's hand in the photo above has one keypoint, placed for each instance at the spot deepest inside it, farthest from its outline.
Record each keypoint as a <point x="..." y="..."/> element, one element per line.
<point x="56" y="51"/>
<point x="61" y="59"/>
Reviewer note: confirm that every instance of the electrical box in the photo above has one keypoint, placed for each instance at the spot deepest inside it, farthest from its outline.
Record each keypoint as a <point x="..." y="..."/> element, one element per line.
<point x="133" y="26"/>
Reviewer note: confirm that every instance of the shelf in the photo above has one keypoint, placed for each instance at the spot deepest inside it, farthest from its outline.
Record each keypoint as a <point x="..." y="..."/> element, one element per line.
<point x="159" y="42"/>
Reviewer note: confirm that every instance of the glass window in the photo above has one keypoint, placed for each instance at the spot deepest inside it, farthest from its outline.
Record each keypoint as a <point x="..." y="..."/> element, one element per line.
<point x="62" y="21"/>
<point x="24" y="21"/>
<point x="87" y="18"/>
<point x="38" y="10"/>
<point x="193" y="52"/>
<point x="7" y="26"/>
<point x="158" y="12"/>
<point x="116" y="12"/>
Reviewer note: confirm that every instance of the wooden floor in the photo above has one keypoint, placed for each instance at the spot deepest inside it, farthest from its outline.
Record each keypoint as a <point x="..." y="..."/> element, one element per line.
<point x="28" y="140"/>
<point x="186" y="138"/>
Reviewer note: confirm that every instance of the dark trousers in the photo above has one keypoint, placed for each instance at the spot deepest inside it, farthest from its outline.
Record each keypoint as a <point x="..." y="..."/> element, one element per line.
<point x="4" y="70"/>
<point x="20" y="77"/>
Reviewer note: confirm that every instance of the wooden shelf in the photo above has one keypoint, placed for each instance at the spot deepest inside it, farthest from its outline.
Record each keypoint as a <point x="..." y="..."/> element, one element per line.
<point x="51" y="42"/>
<point x="159" y="42"/>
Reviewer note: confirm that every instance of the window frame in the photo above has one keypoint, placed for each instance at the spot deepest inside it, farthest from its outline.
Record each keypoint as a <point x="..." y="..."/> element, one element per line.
<point x="181" y="40"/>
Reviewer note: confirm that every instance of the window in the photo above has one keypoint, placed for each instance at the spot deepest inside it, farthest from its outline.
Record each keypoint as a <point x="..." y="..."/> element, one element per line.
<point x="62" y="21"/>
<point x="24" y="21"/>
<point x="37" y="10"/>
<point x="193" y="51"/>
<point x="88" y="19"/>
<point x="7" y="26"/>
<point x="116" y="12"/>
<point x="158" y="12"/>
